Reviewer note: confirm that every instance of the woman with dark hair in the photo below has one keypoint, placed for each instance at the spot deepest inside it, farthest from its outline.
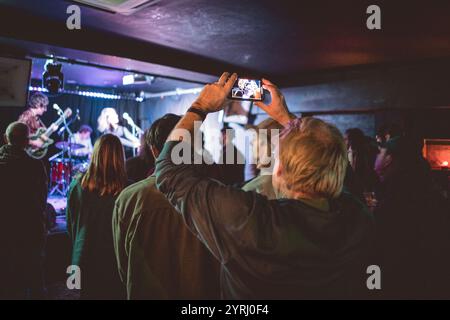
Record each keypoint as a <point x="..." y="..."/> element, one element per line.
<point x="89" y="220"/>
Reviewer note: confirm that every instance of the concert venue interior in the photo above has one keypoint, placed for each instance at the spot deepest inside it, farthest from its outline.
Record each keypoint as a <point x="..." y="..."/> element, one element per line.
<point x="380" y="76"/>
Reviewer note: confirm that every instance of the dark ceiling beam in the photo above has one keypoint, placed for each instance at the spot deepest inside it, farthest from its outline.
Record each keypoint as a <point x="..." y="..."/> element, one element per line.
<point x="331" y="75"/>
<point x="23" y="25"/>
<point x="27" y="49"/>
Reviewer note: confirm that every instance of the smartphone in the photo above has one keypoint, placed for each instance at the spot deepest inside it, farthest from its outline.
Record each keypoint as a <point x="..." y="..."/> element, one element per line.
<point x="247" y="89"/>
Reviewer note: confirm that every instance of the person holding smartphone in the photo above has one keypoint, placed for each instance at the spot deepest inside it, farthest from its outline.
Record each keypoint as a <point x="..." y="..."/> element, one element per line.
<point x="312" y="241"/>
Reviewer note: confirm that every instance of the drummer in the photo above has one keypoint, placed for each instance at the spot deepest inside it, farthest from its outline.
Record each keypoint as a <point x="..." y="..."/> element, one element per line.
<point x="83" y="137"/>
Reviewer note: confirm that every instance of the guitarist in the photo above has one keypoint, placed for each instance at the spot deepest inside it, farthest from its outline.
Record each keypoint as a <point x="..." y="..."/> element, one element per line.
<point x="37" y="106"/>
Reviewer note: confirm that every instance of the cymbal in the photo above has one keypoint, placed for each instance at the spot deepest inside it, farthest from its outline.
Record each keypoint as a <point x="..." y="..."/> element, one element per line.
<point x="67" y="145"/>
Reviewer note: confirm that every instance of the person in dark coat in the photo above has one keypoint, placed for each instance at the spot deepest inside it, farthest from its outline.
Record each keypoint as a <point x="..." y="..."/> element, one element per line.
<point x="23" y="194"/>
<point x="312" y="241"/>
<point x="142" y="166"/>
<point x="362" y="153"/>
<point x="157" y="255"/>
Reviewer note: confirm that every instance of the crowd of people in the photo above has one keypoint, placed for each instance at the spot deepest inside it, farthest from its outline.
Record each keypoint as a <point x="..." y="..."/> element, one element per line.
<point x="309" y="226"/>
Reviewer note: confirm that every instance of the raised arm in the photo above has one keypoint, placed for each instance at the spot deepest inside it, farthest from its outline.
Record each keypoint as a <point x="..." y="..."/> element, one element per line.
<point x="221" y="216"/>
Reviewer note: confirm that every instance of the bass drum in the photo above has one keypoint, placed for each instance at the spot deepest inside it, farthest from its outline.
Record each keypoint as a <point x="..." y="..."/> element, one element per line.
<point x="61" y="171"/>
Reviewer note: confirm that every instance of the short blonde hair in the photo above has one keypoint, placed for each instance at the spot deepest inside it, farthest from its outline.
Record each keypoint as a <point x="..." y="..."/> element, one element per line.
<point x="102" y="120"/>
<point x="313" y="157"/>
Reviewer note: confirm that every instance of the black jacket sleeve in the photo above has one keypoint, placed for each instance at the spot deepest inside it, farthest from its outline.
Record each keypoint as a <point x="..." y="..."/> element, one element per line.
<point x="221" y="216"/>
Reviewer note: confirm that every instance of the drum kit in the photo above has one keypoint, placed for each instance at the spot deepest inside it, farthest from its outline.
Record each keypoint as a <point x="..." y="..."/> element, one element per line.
<point x="64" y="167"/>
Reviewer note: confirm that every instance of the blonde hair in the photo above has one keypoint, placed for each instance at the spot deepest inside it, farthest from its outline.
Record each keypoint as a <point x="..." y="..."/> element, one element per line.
<point x="106" y="173"/>
<point x="102" y="121"/>
<point x="264" y="146"/>
<point x="313" y="158"/>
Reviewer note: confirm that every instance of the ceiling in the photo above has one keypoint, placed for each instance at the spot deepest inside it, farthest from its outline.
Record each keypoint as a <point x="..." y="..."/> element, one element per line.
<point x="279" y="39"/>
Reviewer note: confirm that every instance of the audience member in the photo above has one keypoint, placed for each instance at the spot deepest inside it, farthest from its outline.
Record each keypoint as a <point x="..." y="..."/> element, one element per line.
<point x="311" y="242"/>
<point x="89" y="220"/>
<point x="263" y="148"/>
<point x="157" y="256"/>
<point x="361" y="156"/>
<point x="23" y="192"/>
<point x="141" y="166"/>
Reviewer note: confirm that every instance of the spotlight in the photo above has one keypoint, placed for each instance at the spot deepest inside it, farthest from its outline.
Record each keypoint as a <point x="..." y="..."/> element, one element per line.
<point x="137" y="79"/>
<point x="53" y="78"/>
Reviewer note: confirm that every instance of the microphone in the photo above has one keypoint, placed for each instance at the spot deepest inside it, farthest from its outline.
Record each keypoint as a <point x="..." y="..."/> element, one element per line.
<point x="130" y="121"/>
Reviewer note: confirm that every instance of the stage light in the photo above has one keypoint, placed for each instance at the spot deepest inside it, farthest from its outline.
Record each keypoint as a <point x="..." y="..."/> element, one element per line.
<point x="38" y="89"/>
<point x="137" y="79"/>
<point x="53" y="78"/>
<point x="128" y="79"/>
<point x="445" y="163"/>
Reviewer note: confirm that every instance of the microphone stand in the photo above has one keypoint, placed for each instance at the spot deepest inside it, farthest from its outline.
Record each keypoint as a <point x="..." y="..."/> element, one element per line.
<point x="135" y="130"/>
<point x="62" y="186"/>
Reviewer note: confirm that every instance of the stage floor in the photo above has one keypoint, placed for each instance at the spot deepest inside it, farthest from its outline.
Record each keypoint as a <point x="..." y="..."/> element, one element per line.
<point x="59" y="203"/>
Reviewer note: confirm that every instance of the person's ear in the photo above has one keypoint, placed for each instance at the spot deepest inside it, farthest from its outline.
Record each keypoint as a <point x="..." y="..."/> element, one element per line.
<point x="155" y="151"/>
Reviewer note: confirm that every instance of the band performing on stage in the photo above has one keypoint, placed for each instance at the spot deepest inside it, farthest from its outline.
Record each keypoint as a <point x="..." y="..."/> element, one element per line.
<point x="74" y="149"/>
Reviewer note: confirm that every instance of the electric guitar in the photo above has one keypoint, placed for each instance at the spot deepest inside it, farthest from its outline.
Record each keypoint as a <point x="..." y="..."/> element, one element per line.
<point x="39" y="153"/>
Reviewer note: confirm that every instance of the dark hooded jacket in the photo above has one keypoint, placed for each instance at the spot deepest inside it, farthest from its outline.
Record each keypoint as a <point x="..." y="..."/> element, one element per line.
<point x="23" y="195"/>
<point x="23" y="186"/>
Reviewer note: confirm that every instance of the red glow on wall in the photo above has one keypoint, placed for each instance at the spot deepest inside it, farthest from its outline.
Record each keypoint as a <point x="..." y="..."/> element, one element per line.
<point x="437" y="152"/>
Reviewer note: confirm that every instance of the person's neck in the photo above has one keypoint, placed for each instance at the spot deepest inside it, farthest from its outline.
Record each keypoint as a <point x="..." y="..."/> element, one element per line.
<point x="319" y="203"/>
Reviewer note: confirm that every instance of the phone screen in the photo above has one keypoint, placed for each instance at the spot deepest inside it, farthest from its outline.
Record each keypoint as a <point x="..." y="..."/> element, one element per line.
<point x="247" y="89"/>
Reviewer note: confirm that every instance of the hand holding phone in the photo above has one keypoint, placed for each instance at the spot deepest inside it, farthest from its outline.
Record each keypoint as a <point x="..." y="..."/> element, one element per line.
<point x="277" y="109"/>
<point x="213" y="96"/>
